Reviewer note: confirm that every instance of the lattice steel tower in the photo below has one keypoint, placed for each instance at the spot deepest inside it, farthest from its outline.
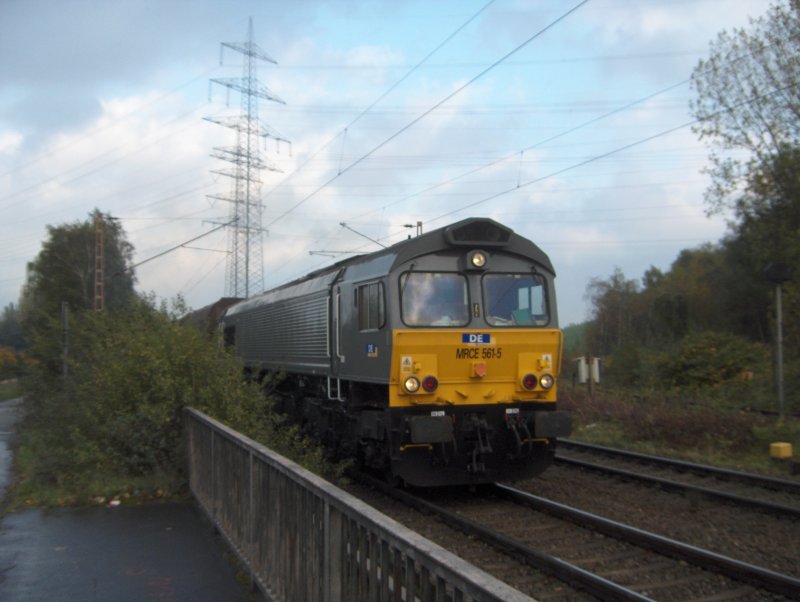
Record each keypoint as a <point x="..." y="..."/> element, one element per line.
<point x="244" y="272"/>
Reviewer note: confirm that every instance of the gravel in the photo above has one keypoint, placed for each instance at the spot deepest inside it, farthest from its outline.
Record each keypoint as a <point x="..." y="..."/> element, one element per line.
<point x="748" y="535"/>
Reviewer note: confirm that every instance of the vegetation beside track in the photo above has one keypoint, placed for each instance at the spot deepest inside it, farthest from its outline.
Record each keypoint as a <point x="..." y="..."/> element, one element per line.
<point x="689" y="351"/>
<point x="700" y="430"/>
<point x="112" y="429"/>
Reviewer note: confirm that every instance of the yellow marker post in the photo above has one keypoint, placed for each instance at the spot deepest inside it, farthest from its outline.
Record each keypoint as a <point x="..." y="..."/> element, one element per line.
<point x="780" y="450"/>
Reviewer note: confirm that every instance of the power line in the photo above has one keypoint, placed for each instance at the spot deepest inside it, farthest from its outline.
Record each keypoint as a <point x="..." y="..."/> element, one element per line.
<point x="545" y="141"/>
<point x="370" y="107"/>
<point x="57" y="178"/>
<point x="467" y="84"/>
<point x="434" y="107"/>
<point x="175" y="248"/>
<point x="610" y="153"/>
<point x="523" y="63"/>
<point x="533" y="146"/>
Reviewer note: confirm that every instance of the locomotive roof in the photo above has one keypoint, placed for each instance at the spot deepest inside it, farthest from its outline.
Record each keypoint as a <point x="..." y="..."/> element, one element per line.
<point x="482" y="233"/>
<point x="474" y="232"/>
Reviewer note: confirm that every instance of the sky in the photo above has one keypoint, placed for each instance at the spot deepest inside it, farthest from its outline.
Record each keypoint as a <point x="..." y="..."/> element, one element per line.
<point x="567" y="121"/>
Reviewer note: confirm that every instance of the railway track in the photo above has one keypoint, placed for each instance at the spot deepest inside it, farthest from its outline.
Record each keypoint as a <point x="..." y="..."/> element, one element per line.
<point x="606" y="559"/>
<point x="780" y="497"/>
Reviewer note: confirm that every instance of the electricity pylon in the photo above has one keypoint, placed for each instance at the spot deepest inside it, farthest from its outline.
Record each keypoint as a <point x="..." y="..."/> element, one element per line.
<point x="244" y="272"/>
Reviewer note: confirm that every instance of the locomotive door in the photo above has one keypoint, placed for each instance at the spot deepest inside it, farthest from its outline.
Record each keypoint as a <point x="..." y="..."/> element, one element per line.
<point x="335" y="340"/>
<point x="338" y="356"/>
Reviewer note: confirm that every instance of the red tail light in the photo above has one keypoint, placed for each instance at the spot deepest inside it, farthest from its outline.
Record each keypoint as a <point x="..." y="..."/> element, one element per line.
<point x="430" y="384"/>
<point x="529" y="382"/>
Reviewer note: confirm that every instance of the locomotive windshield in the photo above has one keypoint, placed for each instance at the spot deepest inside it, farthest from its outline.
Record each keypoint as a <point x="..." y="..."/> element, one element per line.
<point x="434" y="299"/>
<point x="515" y="300"/>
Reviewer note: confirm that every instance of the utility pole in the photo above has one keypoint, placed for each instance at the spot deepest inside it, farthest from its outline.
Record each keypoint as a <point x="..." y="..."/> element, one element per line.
<point x="65" y="341"/>
<point x="99" y="262"/>
<point x="244" y="272"/>
<point x="778" y="273"/>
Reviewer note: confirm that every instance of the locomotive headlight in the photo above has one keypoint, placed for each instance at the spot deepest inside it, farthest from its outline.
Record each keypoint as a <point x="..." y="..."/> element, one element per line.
<point x="478" y="259"/>
<point x="411" y="384"/>
<point x="547" y="381"/>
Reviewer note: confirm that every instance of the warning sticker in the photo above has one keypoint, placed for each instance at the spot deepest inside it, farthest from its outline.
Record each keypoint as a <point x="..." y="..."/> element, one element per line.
<point x="406" y="364"/>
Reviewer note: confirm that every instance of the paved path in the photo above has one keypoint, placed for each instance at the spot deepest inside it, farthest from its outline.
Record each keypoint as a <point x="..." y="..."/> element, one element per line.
<point x="164" y="551"/>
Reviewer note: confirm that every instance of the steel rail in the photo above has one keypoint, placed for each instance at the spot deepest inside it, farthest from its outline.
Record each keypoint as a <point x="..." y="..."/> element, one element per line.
<point x="569" y="573"/>
<point x="703" y="469"/>
<point x="678" y="486"/>
<point x="734" y="569"/>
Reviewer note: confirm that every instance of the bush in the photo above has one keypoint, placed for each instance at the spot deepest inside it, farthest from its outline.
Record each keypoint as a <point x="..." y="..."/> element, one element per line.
<point x="706" y="365"/>
<point x="119" y="414"/>
<point x="708" y="359"/>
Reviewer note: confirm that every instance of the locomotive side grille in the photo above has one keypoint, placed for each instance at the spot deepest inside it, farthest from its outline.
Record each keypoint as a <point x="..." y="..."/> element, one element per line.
<point x="295" y="331"/>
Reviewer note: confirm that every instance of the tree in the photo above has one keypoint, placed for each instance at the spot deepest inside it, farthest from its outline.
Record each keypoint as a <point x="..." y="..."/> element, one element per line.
<point x="10" y="328"/>
<point x="768" y="230"/>
<point x="614" y="317"/>
<point x="64" y="271"/>
<point x="748" y="100"/>
<point x="748" y="107"/>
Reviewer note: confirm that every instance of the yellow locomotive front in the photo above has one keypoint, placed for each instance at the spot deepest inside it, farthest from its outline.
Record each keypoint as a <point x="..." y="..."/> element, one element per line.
<point x="474" y="370"/>
<point x="435" y="360"/>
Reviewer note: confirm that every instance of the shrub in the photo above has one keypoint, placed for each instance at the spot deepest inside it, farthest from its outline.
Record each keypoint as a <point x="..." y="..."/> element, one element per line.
<point x="708" y="359"/>
<point x="119" y="413"/>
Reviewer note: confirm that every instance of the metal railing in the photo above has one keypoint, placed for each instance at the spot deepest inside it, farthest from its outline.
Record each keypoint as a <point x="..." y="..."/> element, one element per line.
<point x="302" y="538"/>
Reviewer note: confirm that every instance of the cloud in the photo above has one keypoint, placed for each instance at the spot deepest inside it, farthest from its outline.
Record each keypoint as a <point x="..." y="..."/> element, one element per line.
<point x="10" y="142"/>
<point x="103" y="104"/>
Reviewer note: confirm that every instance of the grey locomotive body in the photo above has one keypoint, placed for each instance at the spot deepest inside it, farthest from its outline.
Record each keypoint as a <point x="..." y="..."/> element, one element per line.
<point x="434" y="360"/>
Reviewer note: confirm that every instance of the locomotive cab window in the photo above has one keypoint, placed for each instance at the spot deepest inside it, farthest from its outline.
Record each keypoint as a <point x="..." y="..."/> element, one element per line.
<point x="434" y="299"/>
<point x="515" y="300"/>
<point x="371" y="307"/>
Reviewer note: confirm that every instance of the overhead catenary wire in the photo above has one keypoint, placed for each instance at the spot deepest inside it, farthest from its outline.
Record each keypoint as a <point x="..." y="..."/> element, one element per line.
<point x="615" y="151"/>
<point x="114" y="122"/>
<point x="448" y="202"/>
<point x="589" y="160"/>
<point x="531" y="147"/>
<point x="566" y="132"/>
<point x="475" y="78"/>
<point x="432" y="109"/>
<point x="58" y="177"/>
<point x="343" y="132"/>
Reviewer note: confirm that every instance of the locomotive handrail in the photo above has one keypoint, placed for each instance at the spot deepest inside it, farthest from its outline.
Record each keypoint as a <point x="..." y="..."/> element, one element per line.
<point x="302" y="538"/>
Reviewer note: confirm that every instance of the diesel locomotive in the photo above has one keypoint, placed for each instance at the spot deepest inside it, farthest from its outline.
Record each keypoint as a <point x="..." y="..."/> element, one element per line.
<point x="434" y="361"/>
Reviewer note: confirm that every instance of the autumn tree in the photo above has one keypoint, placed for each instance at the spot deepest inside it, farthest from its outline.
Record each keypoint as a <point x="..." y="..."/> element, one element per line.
<point x="747" y="102"/>
<point x="747" y="105"/>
